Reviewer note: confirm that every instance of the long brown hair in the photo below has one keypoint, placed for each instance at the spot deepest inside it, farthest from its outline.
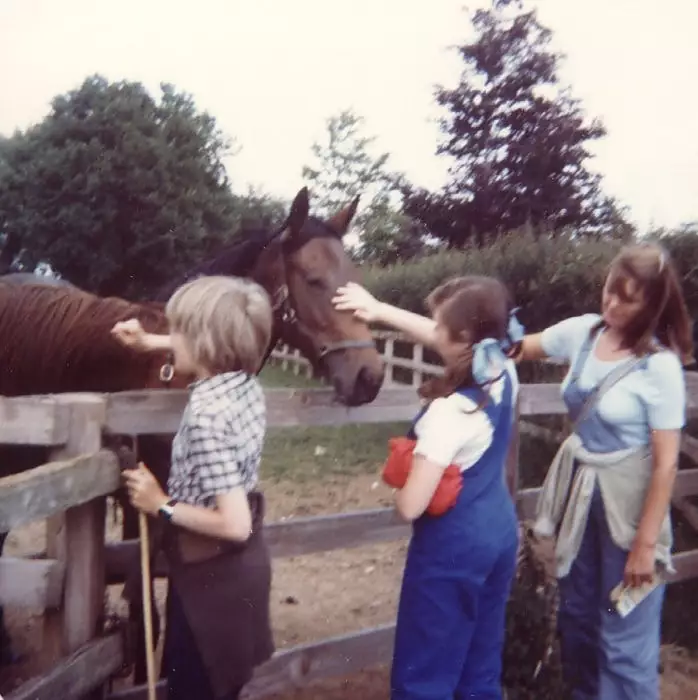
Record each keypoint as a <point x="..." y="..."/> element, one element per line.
<point x="664" y="315"/>
<point x="471" y="308"/>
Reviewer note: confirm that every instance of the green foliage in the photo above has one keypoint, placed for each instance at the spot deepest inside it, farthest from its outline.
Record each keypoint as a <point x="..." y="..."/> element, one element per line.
<point x="548" y="278"/>
<point x="517" y="139"/>
<point x="343" y="169"/>
<point x="119" y="192"/>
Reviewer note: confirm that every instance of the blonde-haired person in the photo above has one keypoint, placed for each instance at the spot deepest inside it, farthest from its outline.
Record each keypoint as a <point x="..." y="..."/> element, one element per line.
<point x="607" y="494"/>
<point x="218" y="602"/>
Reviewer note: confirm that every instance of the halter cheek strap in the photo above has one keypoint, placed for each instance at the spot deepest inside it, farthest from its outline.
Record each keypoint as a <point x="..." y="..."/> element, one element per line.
<point x="286" y="313"/>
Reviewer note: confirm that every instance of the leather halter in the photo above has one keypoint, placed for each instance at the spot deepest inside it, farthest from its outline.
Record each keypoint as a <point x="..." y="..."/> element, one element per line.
<point x="285" y="312"/>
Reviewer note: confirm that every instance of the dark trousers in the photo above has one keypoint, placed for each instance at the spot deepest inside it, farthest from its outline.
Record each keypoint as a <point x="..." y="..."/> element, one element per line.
<point x="186" y="674"/>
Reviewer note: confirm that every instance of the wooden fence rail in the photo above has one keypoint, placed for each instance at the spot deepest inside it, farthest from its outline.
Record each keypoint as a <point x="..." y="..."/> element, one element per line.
<point x="414" y="365"/>
<point x="70" y="581"/>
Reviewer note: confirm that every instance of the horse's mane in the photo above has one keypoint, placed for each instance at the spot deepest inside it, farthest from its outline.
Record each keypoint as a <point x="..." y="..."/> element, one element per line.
<point x="57" y="339"/>
<point x="238" y="258"/>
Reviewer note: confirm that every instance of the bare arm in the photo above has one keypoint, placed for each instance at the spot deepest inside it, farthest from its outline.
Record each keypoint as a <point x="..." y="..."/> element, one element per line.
<point x="131" y="334"/>
<point x="665" y="454"/>
<point x="420" y="328"/>
<point x="413" y="498"/>
<point x="230" y="520"/>
<point x="530" y="348"/>
<point x="365" y="306"/>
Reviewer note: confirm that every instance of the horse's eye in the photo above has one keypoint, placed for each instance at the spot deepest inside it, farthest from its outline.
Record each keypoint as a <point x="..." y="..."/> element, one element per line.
<point x="316" y="282"/>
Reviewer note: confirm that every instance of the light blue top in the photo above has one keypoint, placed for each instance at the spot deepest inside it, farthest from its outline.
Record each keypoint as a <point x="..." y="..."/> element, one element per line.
<point x="652" y="397"/>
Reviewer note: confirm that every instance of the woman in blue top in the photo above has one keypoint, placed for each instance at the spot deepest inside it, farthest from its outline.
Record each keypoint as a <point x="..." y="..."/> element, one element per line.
<point x="460" y="565"/>
<point x="612" y="523"/>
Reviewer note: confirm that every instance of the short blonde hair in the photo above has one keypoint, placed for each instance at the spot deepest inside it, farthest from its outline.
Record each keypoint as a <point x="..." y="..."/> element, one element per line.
<point x="226" y="322"/>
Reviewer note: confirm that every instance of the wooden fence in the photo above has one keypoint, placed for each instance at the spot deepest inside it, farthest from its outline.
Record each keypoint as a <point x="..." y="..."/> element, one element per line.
<point x="68" y="583"/>
<point x="70" y="580"/>
<point x="401" y="357"/>
<point x="405" y="361"/>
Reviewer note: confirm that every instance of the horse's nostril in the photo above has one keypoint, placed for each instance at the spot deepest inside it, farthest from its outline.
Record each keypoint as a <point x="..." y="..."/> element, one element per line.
<point x="366" y="387"/>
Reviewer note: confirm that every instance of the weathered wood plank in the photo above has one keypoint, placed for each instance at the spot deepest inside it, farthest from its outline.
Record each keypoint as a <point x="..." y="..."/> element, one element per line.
<point x="686" y="485"/>
<point x="686" y="565"/>
<point x="329" y="658"/>
<point x="159" y="411"/>
<point x="687" y="510"/>
<point x="55" y="487"/>
<point x="33" y="420"/>
<point x="89" y="667"/>
<point x="513" y="455"/>
<point x="294" y="668"/>
<point x="290" y="538"/>
<point x="689" y="446"/>
<point x="309" y="535"/>
<point x="299" y="536"/>
<point x="80" y="537"/>
<point x="31" y="583"/>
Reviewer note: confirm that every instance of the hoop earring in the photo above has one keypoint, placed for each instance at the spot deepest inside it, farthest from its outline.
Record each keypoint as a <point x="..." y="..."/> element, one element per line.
<point x="167" y="372"/>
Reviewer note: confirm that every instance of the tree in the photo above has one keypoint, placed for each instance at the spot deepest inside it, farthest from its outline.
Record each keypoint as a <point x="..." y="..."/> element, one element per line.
<point x="519" y="142"/>
<point x="116" y="191"/>
<point x="343" y="169"/>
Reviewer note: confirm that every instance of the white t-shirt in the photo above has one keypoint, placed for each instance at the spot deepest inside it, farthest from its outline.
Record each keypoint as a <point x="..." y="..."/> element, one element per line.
<point x="454" y="431"/>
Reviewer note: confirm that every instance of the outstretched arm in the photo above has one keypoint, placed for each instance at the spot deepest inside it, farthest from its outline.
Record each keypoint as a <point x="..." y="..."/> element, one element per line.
<point x="364" y="305"/>
<point x="530" y="348"/>
<point x="131" y="334"/>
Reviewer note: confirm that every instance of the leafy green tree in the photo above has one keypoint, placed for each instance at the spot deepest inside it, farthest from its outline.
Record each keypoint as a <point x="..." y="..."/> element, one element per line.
<point x="116" y="190"/>
<point x="518" y="141"/>
<point x="344" y="168"/>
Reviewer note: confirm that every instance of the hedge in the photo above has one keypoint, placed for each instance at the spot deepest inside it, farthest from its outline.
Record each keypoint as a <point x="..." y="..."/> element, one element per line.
<point x="549" y="279"/>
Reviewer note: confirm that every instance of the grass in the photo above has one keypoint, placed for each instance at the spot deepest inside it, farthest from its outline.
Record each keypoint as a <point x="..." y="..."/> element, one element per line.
<point x="303" y="454"/>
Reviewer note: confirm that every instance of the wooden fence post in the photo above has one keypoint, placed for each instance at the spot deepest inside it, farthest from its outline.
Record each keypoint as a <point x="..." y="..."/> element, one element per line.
<point x="76" y="538"/>
<point x="512" y="463"/>
<point x="388" y="353"/>
<point x="418" y="359"/>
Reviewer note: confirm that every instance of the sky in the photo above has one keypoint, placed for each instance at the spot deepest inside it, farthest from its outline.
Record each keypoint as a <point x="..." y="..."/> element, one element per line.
<point x="273" y="71"/>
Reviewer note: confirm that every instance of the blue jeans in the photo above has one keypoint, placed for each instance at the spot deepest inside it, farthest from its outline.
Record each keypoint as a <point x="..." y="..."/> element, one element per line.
<point x="604" y="656"/>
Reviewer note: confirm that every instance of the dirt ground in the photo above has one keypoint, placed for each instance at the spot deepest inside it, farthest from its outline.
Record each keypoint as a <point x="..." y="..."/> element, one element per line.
<point x="313" y="596"/>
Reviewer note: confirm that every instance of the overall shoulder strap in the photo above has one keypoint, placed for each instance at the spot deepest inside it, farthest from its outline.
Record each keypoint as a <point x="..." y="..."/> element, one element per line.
<point x="582" y="355"/>
<point x="610" y="380"/>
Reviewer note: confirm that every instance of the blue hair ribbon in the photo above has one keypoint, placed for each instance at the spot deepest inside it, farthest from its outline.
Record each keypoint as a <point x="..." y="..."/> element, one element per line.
<point x="489" y="355"/>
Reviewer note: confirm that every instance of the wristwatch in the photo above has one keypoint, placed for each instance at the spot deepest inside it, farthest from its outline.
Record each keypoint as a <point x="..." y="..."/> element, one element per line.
<point x="167" y="510"/>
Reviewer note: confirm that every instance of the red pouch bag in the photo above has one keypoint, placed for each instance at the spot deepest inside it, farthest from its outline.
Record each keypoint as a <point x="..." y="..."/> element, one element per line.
<point x="399" y="464"/>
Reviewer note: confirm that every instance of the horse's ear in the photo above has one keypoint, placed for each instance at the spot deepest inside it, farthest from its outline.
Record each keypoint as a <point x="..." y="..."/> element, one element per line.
<point x="300" y="209"/>
<point x="341" y="221"/>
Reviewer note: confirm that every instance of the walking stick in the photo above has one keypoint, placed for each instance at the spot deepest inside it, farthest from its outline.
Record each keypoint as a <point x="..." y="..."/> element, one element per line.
<point x="147" y="607"/>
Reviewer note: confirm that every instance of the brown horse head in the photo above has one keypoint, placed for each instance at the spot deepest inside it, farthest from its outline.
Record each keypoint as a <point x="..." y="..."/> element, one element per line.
<point x="302" y="268"/>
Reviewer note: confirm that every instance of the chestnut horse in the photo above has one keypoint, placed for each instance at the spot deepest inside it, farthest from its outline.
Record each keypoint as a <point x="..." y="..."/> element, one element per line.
<point x="300" y="266"/>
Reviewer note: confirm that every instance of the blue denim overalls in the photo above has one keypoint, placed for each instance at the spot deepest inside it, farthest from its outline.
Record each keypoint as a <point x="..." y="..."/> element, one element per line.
<point x="450" y="627"/>
<point x="604" y="656"/>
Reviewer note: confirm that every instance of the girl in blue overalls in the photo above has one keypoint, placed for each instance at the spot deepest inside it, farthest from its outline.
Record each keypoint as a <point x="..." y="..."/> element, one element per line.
<point x="460" y="565"/>
<point x="645" y="329"/>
